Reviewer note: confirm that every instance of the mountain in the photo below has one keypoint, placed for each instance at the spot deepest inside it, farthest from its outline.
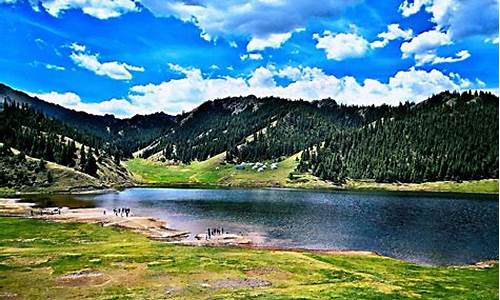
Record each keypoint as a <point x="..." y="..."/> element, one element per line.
<point x="124" y="135"/>
<point x="450" y="136"/>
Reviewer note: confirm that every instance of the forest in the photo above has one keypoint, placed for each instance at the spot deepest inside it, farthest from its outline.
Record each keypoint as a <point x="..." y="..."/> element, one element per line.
<point x="450" y="136"/>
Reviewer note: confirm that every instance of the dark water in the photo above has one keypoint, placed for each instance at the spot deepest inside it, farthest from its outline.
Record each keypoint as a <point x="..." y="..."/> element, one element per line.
<point x="423" y="228"/>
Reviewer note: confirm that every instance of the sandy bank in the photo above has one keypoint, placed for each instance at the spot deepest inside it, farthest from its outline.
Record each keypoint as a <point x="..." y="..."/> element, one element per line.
<point x="153" y="228"/>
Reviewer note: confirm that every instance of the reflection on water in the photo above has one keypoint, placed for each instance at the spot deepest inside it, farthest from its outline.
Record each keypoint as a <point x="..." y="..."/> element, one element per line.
<point x="70" y="201"/>
<point x="424" y="228"/>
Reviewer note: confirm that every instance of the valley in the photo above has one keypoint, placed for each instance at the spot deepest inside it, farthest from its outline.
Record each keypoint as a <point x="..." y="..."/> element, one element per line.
<point x="299" y="144"/>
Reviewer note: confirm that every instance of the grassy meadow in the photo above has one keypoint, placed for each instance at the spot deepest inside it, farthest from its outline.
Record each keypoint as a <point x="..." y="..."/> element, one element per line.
<point x="42" y="260"/>
<point x="213" y="172"/>
<point x="210" y="172"/>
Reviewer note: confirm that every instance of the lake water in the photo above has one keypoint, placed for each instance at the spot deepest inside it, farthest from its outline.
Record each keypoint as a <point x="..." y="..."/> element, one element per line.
<point x="422" y="228"/>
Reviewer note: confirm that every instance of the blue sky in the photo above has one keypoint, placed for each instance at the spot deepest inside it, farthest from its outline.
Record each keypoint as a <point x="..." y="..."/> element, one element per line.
<point x="127" y="57"/>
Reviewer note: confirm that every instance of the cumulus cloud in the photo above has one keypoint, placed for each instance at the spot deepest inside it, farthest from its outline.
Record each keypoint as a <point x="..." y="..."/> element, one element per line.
<point x="393" y="32"/>
<point x="176" y="95"/>
<point x="274" y="40"/>
<point x="257" y="19"/>
<point x="95" y="8"/>
<point x="423" y="48"/>
<point x="424" y="42"/>
<point x="341" y="45"/>
<point x="112" y="69"/>
<point x="459" y="18"/>
<point x="119" y="107"/>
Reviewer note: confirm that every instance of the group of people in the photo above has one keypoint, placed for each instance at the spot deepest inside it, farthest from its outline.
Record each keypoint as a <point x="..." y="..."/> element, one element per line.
<point x="122" y="211"/>
<point x="214" y="231"/>
<point x="42" y="211"/>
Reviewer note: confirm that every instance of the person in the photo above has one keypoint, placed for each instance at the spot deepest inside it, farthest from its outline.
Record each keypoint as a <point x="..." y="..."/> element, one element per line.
<point x="31" y="212"/>
<point x="104" y="212"/>
<point x="208" y="230"/>
<point x="59" y="210"/>
<point x="127" y="211"/>
<point x="222" y="230"/>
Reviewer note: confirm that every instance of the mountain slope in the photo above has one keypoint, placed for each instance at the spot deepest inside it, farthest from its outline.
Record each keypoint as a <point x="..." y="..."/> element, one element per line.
<point x="450" y="136"/>
<point x="123" y="135"/>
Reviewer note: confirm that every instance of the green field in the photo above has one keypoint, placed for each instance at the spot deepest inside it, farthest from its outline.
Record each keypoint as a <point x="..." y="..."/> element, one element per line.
<point x="472" y="186"/>
<point x="213" y="172"/>
<point x="41" y="260"/>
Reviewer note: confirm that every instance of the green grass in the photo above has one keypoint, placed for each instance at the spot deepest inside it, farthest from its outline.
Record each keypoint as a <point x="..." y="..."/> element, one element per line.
<point x="209" y="172"/>
<point x="7" y="191"/>
<point x="472" y="186"/>
<point x="34" y="254"/>
<point x="213" y="172"/>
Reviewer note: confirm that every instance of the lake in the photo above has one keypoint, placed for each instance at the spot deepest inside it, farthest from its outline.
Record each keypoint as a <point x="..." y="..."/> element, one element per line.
<point x="418" y="227"/>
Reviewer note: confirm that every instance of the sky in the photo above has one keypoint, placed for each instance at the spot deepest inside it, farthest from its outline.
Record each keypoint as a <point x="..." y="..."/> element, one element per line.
<point x="127" y="57"/>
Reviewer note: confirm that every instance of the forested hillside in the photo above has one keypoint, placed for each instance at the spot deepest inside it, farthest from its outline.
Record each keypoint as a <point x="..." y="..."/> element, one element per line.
<point x="119" y="136"/>
<point x="36" y="136"/>
<point x="450" y="136"/>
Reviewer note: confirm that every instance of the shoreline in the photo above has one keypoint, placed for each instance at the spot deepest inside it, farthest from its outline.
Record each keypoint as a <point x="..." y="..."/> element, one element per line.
<point x="157" y="229"/>
<point x="354" y="186"/>
<point x="319" y="188"/>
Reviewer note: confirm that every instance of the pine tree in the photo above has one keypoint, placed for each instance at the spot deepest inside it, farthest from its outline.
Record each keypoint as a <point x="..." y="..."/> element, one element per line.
<point x="90" y="165"/>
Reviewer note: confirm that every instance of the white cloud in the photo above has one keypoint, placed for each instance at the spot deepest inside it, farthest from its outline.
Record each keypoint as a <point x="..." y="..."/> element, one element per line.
<point x="393" y="32"/>
<point x="341" y="45"/>
<point x="176" y="95"/>
<point x="459" y="56"/>
<point x="67" y="99"/>
<point x="424" y="42"/>
<point x="55" y="67"/>
<point x="410" y="8"/>
<point x="480" y="83"/>
<point x="252" y="56"/>
<point x="119" y="107"/>
<point x="274" y="40"/>
<point x="493" y="40"/>
<point x="292" y="73"/>
<point x="459" y="18"/>
<point x="77" y="47"/>
<point x="96" y="8"/>
<point x="257" y="19"/>
<point x="423" y="48"/>
<point x="112" y="69"/>
<point x="233" y="44"/>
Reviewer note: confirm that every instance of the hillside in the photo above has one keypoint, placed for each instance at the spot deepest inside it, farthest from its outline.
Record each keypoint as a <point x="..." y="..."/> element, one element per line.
<point x="450" y="137"/>
<point x="123" y="136"/>
<point x="43" y="154"/>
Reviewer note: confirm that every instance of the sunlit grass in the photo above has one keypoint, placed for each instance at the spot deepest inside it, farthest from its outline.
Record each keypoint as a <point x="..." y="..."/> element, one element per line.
<point x="213" y="172"/>
<point x="34" y="254"/>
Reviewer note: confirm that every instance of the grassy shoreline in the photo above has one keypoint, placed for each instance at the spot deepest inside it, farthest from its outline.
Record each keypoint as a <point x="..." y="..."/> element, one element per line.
<point x="212" y="174"/>
<point x="484" y="187"/>
<point x="40" y="259"/>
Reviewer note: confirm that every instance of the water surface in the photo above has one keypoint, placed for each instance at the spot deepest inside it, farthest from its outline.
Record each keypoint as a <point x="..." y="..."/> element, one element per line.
<point x="424" y="228"/>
